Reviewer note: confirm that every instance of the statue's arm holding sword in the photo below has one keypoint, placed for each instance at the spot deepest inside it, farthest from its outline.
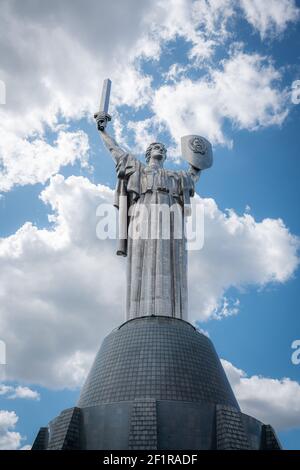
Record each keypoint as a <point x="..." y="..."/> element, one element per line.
<point x="196" y="150"/>
<point x="102" y="118"/>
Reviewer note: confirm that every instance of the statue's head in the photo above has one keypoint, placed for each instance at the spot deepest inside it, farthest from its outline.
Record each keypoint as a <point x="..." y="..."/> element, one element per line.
<point x="156" y="151"/>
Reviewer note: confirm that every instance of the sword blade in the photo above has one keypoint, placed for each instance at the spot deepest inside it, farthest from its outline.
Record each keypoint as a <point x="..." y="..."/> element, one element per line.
<point x="105" y="96"/>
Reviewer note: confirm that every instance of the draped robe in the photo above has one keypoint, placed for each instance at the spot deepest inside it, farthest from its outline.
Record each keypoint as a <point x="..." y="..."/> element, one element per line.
<point x="156" y="267"/>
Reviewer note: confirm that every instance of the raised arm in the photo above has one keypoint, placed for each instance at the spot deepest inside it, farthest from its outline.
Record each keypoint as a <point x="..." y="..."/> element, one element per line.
<point x="115" y="150"/>
<point x="194" y="173"/>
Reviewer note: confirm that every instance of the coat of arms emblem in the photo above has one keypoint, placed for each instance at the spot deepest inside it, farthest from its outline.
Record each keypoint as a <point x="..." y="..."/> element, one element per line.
<point x="197" y="151"/>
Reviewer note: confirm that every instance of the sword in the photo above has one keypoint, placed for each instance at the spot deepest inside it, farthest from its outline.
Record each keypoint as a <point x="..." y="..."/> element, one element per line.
<point x="104" y="103"/>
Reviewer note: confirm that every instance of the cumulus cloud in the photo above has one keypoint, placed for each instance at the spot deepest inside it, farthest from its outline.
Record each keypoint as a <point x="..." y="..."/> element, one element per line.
<point x="29" y="162"/>
<point x="65" y="282"/>
<point x="238" y="251"/>
<point x="48" y="84"/>
<point x="12" y="393"/>
<point x="9" y="440"/>
<point x="273" y="401"/>
<point x="4" y="389"/>
<point x="55" y="78"/>
<point x="57" y="81"/>
<point x="245" y="91"/>
<point x="201" y="23"/>
<point x="71" y="286"/>
<point x="144" y="132"/>
<point x="271" y="17"/>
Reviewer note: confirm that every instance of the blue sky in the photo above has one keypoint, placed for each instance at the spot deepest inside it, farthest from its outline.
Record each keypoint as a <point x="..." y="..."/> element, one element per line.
<point x="223" y="69"/>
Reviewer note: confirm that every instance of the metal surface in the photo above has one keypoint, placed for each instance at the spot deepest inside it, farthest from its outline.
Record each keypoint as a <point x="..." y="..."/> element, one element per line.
<point x="197" y="151"/>
<point x="156" y="383"/>
<point x="104" y="103"/>
<point x="156" y="357"/>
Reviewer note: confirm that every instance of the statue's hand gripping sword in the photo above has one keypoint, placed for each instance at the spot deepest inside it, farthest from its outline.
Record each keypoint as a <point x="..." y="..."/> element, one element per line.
<point x="102" y="117"/>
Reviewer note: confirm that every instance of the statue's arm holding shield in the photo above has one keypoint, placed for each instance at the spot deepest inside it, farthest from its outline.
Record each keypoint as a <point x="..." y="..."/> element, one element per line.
<point x="194" y="173"/>
<point x="197" y="151"/>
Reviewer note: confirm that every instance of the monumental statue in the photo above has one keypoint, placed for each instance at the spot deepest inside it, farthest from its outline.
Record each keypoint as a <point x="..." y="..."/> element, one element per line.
<point x="157" y="382"/>
<point x="156" y="265"/>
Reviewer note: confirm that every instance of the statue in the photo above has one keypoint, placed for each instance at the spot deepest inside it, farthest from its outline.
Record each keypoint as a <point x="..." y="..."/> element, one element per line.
<point x="156" y="266"/>
<point x="156" y="383"/>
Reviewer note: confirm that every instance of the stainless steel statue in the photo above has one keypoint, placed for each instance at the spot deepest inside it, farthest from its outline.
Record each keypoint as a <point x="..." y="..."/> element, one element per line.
<point x="156" y="265"/>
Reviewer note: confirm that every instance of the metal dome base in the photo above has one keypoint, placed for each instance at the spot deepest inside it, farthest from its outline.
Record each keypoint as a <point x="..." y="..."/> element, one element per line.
<point x="156" y="383"/>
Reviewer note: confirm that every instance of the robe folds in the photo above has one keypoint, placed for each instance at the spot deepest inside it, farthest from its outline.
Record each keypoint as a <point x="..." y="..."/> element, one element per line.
<point x="155" y="246"/>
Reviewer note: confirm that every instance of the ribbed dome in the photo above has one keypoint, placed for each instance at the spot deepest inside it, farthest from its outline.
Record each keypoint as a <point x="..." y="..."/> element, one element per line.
<point x="156" y="357"/>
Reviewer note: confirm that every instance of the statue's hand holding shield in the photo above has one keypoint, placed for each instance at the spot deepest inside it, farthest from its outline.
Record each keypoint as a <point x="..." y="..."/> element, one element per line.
<point x="197" y="151"/>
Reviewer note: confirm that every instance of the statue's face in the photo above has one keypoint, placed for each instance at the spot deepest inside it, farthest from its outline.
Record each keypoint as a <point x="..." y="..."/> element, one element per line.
<point x="158" y="152"/>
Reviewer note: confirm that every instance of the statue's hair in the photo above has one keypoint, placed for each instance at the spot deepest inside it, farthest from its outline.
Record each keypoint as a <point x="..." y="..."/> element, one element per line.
<point x="148" y="151"/>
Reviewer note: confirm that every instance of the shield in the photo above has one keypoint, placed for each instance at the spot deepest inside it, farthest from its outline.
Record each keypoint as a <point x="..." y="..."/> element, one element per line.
<point x="197" y="151"/>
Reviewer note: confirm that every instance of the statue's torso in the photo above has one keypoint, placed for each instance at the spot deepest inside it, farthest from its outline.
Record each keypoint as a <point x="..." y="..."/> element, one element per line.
<point x="159" y="180"/>
<point x="157" y="278"/>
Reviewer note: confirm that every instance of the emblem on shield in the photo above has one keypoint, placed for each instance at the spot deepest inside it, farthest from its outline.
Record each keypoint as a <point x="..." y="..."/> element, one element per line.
<point x="198" y="145"/>
<point x="197" y="151"/>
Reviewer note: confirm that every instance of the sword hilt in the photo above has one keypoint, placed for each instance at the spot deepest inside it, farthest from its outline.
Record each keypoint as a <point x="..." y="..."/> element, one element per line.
<point x="105" y="118"/>
<point x="103" y="110"/>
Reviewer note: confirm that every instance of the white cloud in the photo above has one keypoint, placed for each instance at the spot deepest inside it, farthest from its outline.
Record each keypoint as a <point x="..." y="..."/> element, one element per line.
<point x="9" y="440"/>
<point x="270" y="17"/>
<point x="200" y="23"/>
<point x="55" y="80"/>
<point x="238" y="252"/>
<point x="144" y="132"/>
<point x="62" y="281"/>
<point x="13" y="393"/>
<point x="225" y="308"/>
<point x="53" y="77"/>
<point x="175" y="72"/>
<point x="24" y="393"/>
<point x="272" y="401"/>
<point x="48" y="84"/>
<point x="4" y="389"/>
<point x="29" y="162"/>
<point x="71" y="286"/>
<point x="245" y="91"/>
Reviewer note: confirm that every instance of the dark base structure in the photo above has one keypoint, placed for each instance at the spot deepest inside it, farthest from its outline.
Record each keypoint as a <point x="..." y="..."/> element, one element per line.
<point x="156" y="383"/>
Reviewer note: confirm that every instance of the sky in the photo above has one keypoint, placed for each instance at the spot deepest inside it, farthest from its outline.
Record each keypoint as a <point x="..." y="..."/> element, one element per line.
<point x="223" y="69"/>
